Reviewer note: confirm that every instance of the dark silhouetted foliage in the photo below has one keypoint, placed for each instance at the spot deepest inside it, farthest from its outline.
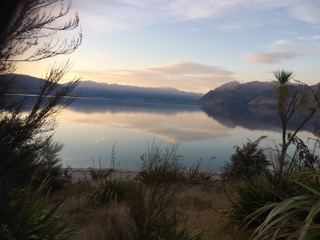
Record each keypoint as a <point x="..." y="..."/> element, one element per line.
<point x="248" y="161"/>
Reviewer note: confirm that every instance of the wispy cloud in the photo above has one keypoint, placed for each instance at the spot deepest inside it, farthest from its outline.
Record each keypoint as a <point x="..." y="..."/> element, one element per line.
<point x="270" y="57"/>
<point x="125" y="14"/>
<point x="195" y="10"/>
<point x="310" y="38"/>
<point x="116" y="15"/>
<point x="281" y="50"/>
<point x="307" y="11"/>
<point x="178" y="67"/>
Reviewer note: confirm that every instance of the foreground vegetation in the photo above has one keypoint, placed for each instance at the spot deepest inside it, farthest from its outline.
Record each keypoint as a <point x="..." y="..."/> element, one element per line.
<point x="258" y="196"/>
<point x="167" y="201"/>
<point x="163" y="201"/>
<point x="182" y="211"/>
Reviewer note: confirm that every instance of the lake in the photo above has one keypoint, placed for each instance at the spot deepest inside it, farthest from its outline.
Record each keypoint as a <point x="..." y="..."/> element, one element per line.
<point x="90" y="128"/>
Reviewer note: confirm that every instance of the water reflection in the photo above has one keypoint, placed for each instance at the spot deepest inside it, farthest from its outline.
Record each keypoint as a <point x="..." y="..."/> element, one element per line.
<point x="259" y="119"/>
<point x="89" y="128"/>
<point x="146" y="113"/>
<point x="115" y="106"/>
<point x="185" y="122"/>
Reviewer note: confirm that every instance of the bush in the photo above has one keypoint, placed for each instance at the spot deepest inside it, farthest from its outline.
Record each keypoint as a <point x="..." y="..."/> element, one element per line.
<point x="247" y="162"/>
<point x="108" y="190"/>
<point x="196" y="175"/>
<point x="266" y="199"/>
<point x="248" y="196"/>
<point x="49" y="166"/>
<point x="161" y="165"/>
<point x="295" y="217"/>
<point x="101" y="171"/>
<point x="304" y="158"/>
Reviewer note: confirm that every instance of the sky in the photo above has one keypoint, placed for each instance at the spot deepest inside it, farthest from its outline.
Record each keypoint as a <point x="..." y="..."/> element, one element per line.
<point x="190" y="45"/>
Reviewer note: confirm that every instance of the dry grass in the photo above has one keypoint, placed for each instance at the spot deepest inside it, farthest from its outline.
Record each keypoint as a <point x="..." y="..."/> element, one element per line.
<point x="199" y="205"/>
<point x="203" y="207"/>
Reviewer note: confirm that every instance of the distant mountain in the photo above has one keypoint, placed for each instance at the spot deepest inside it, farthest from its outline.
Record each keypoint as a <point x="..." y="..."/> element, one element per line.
<point x="234" y="93"/>
<point x="24" y="84"/>
<point x="247" y="94"/>
<point x="115" y="91"/>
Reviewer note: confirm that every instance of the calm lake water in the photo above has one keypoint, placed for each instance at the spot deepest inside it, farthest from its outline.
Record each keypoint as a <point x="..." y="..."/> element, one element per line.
<point x="90" y="128"/>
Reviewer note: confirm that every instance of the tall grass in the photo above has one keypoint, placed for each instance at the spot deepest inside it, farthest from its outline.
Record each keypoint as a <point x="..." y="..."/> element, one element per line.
<point x="147" y="206"/>
<point x="161" y="164"/>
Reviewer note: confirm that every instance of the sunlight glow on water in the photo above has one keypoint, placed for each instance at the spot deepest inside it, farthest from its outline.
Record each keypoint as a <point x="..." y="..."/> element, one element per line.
<point x="89" y="132"/>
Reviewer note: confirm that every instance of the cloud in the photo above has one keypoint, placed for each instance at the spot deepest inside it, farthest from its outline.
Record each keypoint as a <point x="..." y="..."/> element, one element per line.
<point x="181" y="68"/>
<point x="281" y="44"/>
<point x="307" y="11"/>
<point x="281" y="50"/>
<point x="186" y="76"/>
<point x="194" y="10"/>
<point x="119" y="15"/>
<point x="116" y="15"/>
<point x="270" y="57"/>
<point x="310" y="38"/>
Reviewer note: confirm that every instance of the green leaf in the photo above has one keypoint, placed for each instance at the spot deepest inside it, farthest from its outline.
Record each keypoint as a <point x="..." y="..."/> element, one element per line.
<point x="308" y="221"/>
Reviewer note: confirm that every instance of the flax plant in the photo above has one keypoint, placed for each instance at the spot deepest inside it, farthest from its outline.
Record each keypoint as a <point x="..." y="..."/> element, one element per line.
<point x="297" y="217"/>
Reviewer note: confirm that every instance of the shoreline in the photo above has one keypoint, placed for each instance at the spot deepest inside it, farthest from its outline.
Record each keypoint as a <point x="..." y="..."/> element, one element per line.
<point x="80" y="174"/>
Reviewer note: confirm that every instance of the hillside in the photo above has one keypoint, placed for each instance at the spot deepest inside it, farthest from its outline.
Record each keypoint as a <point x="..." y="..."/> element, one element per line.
<point x="234" y="93"/>
<point x="249" y="94"/>
<point x="24" y="84"/>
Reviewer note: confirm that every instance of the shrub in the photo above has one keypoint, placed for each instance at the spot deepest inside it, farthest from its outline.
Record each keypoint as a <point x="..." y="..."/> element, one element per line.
<point x="248" y="161"/>
<point x="248" y="196"/>
<point x="303" y="157"/>
<point x="108" y="190"/>
<point x="161" y="165"/>
<point x="295" y="217"/>
<point x="254" y="199"/>
<point x="49" y="166"/>
<point x="197" y="175"/>
<point x="99" y="172"/>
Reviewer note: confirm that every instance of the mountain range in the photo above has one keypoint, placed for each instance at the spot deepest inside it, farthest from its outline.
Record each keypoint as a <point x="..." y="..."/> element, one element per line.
<point x="93" y="89"/>
<point x="250" y="94"/>
<point x="24" y="84"/>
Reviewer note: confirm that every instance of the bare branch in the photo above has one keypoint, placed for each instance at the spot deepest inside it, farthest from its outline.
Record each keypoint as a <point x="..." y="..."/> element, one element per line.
<point x="32" y="35"/>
